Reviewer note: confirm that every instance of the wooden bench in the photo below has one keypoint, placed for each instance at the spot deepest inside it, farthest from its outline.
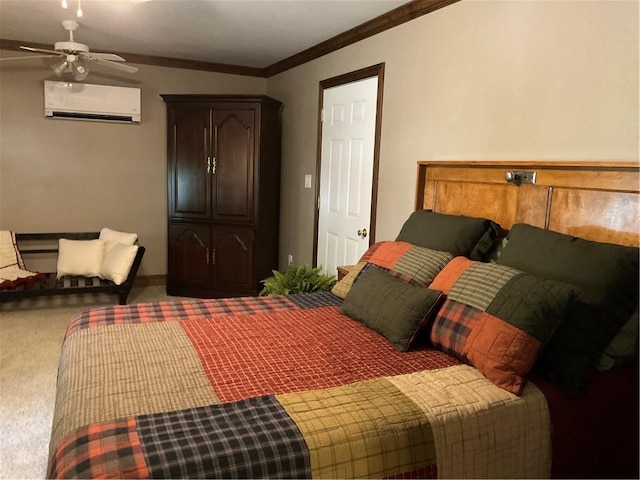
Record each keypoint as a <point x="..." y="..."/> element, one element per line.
<point x="67" y="285"/>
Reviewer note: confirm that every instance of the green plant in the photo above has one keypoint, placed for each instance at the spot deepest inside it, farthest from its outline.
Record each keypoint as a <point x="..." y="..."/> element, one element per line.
<point x="297" y="279"/>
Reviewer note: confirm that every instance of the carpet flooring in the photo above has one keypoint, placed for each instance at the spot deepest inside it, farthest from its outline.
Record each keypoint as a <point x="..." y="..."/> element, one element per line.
<point x="31" y="333"/>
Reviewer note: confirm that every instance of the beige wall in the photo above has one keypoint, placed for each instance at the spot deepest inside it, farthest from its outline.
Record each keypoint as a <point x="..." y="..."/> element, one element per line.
<point x="65" y="176"/>
<point x="477" y="80"/>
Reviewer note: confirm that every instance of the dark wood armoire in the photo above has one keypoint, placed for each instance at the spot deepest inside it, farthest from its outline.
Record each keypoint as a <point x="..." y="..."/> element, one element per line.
<point x="223" y="154"/>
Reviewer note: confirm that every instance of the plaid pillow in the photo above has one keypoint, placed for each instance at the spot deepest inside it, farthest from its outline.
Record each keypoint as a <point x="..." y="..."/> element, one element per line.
<point x="497" y="318"/>
<point x="408" y="262"/>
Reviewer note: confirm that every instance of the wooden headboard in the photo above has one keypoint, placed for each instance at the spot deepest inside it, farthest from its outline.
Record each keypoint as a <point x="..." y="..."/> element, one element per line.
<point x="593" y="200"/>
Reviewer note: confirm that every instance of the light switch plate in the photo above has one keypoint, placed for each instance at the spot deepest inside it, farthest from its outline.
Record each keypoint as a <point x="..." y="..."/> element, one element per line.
<point x="307" y="181"/>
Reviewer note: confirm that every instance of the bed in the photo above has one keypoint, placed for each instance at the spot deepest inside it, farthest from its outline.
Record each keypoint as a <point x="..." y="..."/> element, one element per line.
<point x="426" y="361"/>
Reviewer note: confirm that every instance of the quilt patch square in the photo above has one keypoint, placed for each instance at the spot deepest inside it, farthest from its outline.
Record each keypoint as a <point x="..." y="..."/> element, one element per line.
<point x="421" y="264"/>
<point x="452" y="327"/>
<point x="388" y="254"/>
<point x="252" y="438"/>
<point x="100" y="450"/>
<point x="315" y="300"/>
<point x="302" y="349"/>
<point x="479" y="284"/>
<point x="352" y="431"/>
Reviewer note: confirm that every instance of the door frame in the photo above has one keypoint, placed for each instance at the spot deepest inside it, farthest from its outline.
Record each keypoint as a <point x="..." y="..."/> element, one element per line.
<point x="367" y="72"/>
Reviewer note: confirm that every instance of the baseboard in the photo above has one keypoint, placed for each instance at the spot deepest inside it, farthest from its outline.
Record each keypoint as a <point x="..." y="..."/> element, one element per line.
<point x="150" y="280"/>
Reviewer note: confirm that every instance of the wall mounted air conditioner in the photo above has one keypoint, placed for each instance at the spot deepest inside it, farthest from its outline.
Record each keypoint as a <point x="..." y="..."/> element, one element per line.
<point x="83" y="101"/>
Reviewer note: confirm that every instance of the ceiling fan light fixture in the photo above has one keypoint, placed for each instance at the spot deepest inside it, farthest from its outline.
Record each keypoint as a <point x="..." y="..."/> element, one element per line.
<point x="80" y="71"/>
<point x="60" y="68"/>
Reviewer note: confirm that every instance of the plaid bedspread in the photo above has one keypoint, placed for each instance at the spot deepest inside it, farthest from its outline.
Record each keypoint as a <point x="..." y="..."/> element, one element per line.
<point x="282" y="387"/>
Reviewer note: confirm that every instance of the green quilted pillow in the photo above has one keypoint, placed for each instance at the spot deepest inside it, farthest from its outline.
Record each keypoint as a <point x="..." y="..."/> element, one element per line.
<point x="497" y="318"/>
<point x="458" y="234"/>
<point x="624" y="346"/>
<point x="396" y="309"/>
<point x="607" y="276"/>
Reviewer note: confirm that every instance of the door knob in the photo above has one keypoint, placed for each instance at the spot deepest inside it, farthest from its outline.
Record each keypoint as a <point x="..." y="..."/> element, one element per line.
<point x="362" y="233"/>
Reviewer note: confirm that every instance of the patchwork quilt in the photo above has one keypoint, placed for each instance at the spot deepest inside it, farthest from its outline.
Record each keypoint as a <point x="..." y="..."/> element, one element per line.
<point x="283" y="387"/>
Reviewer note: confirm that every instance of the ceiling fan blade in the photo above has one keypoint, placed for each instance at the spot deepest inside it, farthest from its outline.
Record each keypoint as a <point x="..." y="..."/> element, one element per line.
<point x="102" y="56"/>
<point x="117" y="66"/>
<point x="31" y="49"/>
<point x="26" y="57"/>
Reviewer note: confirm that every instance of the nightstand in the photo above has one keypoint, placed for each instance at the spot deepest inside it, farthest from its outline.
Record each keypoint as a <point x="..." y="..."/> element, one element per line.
<point x="343" y="270"/>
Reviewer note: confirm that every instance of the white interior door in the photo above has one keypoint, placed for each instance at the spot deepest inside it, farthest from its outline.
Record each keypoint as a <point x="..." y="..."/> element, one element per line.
<point x="346" y="173"/>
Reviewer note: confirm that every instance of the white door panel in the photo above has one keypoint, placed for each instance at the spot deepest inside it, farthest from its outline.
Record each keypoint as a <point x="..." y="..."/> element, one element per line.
<point x="346" y="173"/>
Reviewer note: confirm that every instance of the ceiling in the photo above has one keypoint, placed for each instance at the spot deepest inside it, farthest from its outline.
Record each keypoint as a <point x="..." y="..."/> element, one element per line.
<point x="251" y="33"/>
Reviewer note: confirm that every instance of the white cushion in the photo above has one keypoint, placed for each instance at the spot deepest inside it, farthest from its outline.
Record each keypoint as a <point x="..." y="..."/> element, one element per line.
<point x="113" y="236"/>
<point x="117" y="262"/>
<point x="80" y="257"/>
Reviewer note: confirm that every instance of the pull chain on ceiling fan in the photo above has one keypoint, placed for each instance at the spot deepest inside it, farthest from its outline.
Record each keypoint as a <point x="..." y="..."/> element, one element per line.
<point x="79" y="13"/>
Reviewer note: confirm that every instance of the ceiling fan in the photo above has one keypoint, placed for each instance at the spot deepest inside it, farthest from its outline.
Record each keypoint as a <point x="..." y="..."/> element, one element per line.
<point x="76" y="56"/>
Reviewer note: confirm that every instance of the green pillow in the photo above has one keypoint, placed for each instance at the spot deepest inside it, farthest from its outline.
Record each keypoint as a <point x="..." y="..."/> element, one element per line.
<point x="460" y="235"/>
<point x="390" y="306"/>
<point x="607" y="275"/>
<point x="624" y="346"/>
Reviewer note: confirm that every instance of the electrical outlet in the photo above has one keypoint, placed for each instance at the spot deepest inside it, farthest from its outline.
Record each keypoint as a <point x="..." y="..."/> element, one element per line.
<point x="290" y="260"/>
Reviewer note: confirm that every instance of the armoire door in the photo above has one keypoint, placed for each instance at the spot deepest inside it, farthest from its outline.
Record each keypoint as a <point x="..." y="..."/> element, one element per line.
<point x="233" y="150"/>
<point x="190" y="162"/>
<point x="233" y="260"/>
<point x="190" y="257"/>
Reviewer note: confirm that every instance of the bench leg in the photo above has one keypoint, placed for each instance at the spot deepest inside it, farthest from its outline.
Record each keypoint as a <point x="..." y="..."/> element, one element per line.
<point x="122" y="296"/>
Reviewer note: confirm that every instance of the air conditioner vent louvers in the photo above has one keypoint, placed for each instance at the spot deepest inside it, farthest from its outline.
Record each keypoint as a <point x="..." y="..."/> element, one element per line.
<point x="93" y="116"/>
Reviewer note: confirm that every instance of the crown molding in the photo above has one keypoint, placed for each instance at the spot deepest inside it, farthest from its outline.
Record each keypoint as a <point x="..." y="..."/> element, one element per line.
<point x="386" y="21"/>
